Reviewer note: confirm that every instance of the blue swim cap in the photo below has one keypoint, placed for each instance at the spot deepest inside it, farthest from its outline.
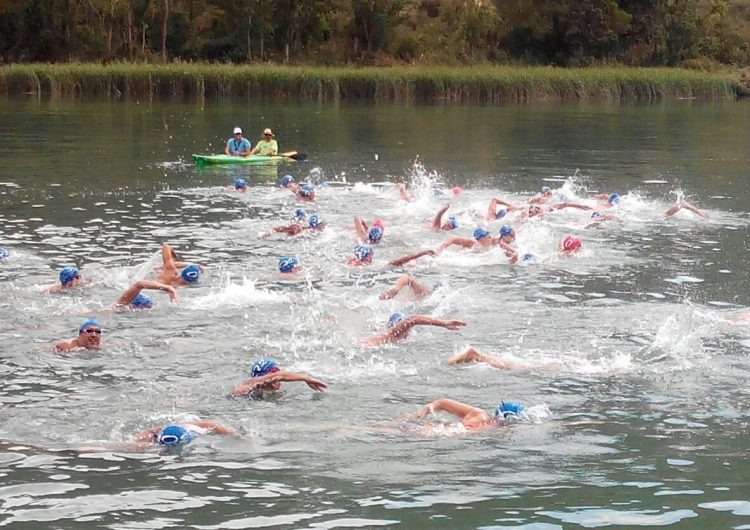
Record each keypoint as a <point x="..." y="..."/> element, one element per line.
<point x="287" y="263"/>
<point x="240" y="183"/>
<point x="362" y="252"/>
<point x="546" y="189"/>
<point x="142" y="301"/>
<point x="375" y="234"/>
<point x="506" y="230"/>
<point x="395" y="318"/>
<point x="453" y="222"/>
<point x="596" y="215"/>
<point x="528" y="257"/>
<point x="306" y="190"/>
<point x="191" y="273"/>
<point x="68" y="274"/>
<point x="613" y="198"/>
<point x="262" y="367"/>
<point x="499" y="214"/>
<point x="3" y="253"/>
<point x="437" y="192"/>
<point x="89" y="322"/>
<point x="173" y="435"/>
<point x="479" y="233"/>
<point x="508" y="408"/>
<point x="314" y="221"/>
<point x="286" y="180"/>
<point x="300" y="214"/>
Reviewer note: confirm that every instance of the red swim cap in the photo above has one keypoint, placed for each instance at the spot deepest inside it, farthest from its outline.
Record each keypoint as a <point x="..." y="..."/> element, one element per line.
<point x="379" y="223"/>
<point x="571" y="243"/>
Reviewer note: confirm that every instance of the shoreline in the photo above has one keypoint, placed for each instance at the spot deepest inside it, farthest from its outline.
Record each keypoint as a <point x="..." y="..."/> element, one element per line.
<point x="478" y="84"/>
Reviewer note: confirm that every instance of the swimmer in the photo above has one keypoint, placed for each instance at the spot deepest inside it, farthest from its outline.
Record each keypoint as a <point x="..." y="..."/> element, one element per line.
<point x="569" y="245"/>
<point x="181" y="433"/>
<point x="507" y="236"/>
<point x="240" y="185"/>
<point x="403" y="193"/>
<point x="89" y="338"/>
<point x="306" y="192"/>
<point x="372" y="235"/>
<point x="473" y="418"/>
<point x="4" y="255"/>
<point x="451" y="223"/>
<point x="418" y="289"/>
<point x="400" y="325"/>
<point x="543" y="196"/>
<point x="132" y="298"/>
<point x="598" y="218"/>
<point x="493" y="212"/>
<point x="679" y="205"/>
<point x="314" y="222"/>
<point x="266" y="375"/>
<point x="482" y="240"/>
<point x="411" y="257"/>
<point x="189" y="274"/>
<point x="363" y="255"/>
<point x="70" y="277"/>
<point x="287" y="181"/>
<point x="472" y="355"/>
<point x="607" y="201"/>
<point x="562" y="205"/>
<point x="289" y="265"/>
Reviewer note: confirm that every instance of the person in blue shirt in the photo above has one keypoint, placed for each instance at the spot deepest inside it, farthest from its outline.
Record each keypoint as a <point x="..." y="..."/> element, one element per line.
<point x="237" y="145"/>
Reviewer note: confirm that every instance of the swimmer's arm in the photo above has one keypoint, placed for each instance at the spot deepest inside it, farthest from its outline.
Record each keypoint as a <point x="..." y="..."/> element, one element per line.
<point x="131" y="292"/>
<point x="213" y="426"/>
<point x="424" y="320"/>
<point x="288" y="376"/>
<point x="248" y="386"/>
<point x="410" y="257"/>
<point x="437" y="222"/>
<point x="403" y="193"/>
<point x="402" y="282"/>
<point x="455" y="240"/>
<point x="361" y="227"/>
<point x="562" y="205"/>
<point x="693" y="209"/>
<point x="601" y="197"/>
<point x="290" y="230"/>
<point x="450" y="406"/>
<point x="65" y="345"/>
<point x="168" y="258"/>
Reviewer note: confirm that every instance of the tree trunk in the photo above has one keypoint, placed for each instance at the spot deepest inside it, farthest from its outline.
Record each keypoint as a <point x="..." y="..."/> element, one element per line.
<point x="164" y="25"/>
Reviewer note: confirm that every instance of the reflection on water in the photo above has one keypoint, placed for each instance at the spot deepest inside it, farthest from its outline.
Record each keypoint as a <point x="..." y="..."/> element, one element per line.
<point x="629" y="344"/>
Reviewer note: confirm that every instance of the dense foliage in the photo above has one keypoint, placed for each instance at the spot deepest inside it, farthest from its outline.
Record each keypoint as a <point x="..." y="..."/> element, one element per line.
<point x="558" y="32"/>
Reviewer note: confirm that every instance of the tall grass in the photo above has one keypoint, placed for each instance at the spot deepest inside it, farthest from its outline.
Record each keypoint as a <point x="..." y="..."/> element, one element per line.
<point x="471" y="84"/>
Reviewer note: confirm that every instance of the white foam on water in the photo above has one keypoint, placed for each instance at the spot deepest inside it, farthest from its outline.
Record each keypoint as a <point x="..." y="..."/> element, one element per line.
<point x="231" y="294"/>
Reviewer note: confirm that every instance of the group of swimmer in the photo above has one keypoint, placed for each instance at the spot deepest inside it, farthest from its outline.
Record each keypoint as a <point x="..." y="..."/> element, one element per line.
<point x="266" y="375"/>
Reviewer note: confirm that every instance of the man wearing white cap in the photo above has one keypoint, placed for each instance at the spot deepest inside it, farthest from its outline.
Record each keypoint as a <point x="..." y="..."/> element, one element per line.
<point x="237" y="145"/>
<point x="267" y="146"/>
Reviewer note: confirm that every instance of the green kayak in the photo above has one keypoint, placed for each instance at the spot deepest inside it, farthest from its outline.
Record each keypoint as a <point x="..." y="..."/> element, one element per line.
<point x="252" y="159"/>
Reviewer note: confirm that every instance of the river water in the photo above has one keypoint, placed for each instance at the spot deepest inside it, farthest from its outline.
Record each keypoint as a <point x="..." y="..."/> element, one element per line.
<point x="630" y="359"/>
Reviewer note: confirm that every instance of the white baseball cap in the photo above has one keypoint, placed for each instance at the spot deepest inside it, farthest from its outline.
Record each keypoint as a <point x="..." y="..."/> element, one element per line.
<point x="237" y="130"/>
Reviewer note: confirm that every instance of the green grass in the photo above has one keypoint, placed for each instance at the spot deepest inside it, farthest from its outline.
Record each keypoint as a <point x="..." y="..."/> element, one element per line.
<point x="476" y="84"/>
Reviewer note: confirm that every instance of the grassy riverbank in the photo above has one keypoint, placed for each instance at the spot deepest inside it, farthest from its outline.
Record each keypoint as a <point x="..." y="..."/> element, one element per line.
<point x="475" y="84"/>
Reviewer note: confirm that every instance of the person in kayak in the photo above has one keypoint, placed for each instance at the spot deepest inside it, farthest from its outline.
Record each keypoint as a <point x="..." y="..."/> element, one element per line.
<point x="267" y="146"/>
<point x="237" y="145"/>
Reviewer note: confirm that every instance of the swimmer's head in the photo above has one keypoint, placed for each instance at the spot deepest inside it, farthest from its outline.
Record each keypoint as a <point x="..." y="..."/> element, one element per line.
<point x="286" y="180"/>
<point x="500" y="213"/>
<point x="300" y="214"/>
<point x="142" y="301"/>
<point x="614" y="198"/>
<point x="191" y="273"/>
<point x="379" y="223"/>
<point x="456" y="190"/>
<point x="437" y="192"/>
<point x="507" y="409"/>
<point x="529" y="257"/>
<point x="507" y="231"/>
<point x="395" y="318"/>
<point x="68" y="276"/>
<point x="89" y="323"/>
<point x="315" y="221"/>
<point x="307" y="190"/>
<point x="451" y="223"/>
<point x="288" y="264"/>
<point x="480" y="233"/>
<point x="375" y="234"/>
<point x="174" y="435"/>
<point x="571" y="243"/>
<point x="240" y="184"/>
<point x="263" y="367"/>
<point x="546" y="190"/>
<point x="535" y="209"/>
<point x="363" y="253"/>
<point x="597" y="215"/>
<point x="440" y="284"/>
<point x="3" y="254"/>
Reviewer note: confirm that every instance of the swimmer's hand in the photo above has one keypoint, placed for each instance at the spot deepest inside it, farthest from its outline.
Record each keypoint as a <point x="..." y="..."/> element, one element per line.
<point x="172" y="292"/>
<point x="453" y="324"/>
<point x="315" y="384"/>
